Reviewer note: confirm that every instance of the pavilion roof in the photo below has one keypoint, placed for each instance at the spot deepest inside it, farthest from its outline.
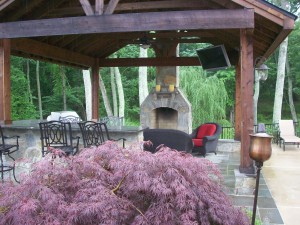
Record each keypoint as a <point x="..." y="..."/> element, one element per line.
<point x="78" y="32"/>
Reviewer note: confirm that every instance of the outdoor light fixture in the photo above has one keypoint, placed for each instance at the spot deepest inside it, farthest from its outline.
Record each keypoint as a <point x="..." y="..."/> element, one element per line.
<point x="261" y="70"/>
<point x="260" y="73"/>
<point x="144" y="42"/>
<point x="260" y="151"/>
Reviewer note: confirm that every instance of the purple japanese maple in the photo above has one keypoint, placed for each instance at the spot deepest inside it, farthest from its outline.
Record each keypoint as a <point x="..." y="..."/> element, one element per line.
<point x="114" y="186"/>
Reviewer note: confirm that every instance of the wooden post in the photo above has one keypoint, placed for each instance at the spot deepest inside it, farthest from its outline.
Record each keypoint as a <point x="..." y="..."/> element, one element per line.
<point x="238" y="104"/>
<point x="5" y="93"/>
<point x="247" y="79"/>
<point x="95" y="90"/>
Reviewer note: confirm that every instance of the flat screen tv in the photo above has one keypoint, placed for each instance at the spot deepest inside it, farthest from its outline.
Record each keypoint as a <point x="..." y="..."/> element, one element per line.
<point x="213" y="58"/>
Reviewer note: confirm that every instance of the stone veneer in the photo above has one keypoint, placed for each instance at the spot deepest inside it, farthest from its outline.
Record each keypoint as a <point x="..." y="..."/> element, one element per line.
<point x="30" y="143"/>
<point x="165" y="99"/>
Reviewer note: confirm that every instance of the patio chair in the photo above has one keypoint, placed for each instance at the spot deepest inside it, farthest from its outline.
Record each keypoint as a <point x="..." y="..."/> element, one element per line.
<point x="174" y="139"/>
<point x="287" y="133"/>
<point x="7" y="149"/>
<point x="205" y="138"/>
<point x="58" y="134"/>
<point x="95" y="134"/>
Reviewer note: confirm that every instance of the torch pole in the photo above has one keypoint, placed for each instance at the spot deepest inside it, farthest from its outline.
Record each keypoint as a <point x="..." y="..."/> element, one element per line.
<point x="259" y="166"/>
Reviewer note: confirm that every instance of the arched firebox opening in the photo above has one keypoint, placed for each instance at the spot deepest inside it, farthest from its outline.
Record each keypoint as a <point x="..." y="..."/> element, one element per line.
<point x="166" y="110"/>
<point x="164" y="118"/>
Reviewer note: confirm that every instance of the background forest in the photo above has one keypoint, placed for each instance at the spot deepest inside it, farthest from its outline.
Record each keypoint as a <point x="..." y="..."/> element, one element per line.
<point x="210" y="93"/>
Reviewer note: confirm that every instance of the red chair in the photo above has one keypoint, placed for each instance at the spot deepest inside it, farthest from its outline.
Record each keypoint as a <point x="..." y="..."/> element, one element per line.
<point x="205" y="138"/>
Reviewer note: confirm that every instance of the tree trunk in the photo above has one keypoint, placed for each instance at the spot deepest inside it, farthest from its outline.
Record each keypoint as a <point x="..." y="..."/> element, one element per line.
<point x="280" y="81"/>
<point x="290" y="91"/>
<point x="120" y="92"/>
<point x="28" y="81"/>
<point x="255" y="97"/>
<point x="88" y="93"/>
<point x="39" y="88"/>
<point x="63" y="79"/>
<point x="104" y="96"/>
<point x="143" y="84"/>
<point x="280" y="73"/>
<point x="114" y="91"/>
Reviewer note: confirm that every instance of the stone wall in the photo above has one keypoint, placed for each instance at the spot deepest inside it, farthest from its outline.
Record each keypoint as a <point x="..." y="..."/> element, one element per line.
<point x="175" y="101"/>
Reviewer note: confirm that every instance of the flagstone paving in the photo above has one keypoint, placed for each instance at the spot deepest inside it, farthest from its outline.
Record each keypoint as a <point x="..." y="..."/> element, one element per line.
<point x="241" y="187"/>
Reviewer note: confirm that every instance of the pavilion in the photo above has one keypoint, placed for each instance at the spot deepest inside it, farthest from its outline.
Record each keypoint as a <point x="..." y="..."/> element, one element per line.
<point x="84" y="33"/>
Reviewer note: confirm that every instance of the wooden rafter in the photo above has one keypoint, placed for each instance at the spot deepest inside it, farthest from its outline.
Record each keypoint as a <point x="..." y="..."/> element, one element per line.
<point x="263" y="10"/>
<point x="136" y="6"/>
<point x="87" y="8"/>
<point x="160" y="61"/>
<point x="111" y="7"/>
<point x="187" y="4"/>
<point x="110" y="48"/>
<point x="5" y="3"/>
<point x="283" y="34"/>
<point x="20" y="12"/>
<point x="176" y="20"/>
<point x="99" y="7"/>
<point x="51" y="52"/>
<point x="36" y="9"/>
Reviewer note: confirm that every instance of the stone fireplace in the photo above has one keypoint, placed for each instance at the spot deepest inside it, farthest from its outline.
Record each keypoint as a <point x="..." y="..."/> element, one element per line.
<point x="166" y="110"/>
<point x="166" y="107"/>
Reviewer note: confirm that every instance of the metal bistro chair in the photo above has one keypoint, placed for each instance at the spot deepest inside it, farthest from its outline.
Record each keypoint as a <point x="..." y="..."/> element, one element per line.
<point x="58" y="134"/>
<point x="95" y="134"/>
<point x="7" y="149"/>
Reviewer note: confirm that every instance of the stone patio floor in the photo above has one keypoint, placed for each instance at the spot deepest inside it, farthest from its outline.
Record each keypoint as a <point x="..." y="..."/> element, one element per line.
<point x="279" y="186"/>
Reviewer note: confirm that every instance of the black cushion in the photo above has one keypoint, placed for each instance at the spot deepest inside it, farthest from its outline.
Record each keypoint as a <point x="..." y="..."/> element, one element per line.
<point x="174" y="139"/>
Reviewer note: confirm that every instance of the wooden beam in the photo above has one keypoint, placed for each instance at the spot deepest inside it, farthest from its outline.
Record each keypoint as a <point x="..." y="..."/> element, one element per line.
<point x="161" y="61"/>
<point x="5" y="91"/>
<point x="20" y="11"/>
<point x="247" y="80"/>
<point x="111" y="7"/>
<point x="49" y="51"/>
<point x="99" y="7"/>
<point x="264" y="10"/>
<point x="287" y="29"/>
<point x="110" y="49"/>
<point x="176" y="20"/>
<point x="64" y="41"/>
<point x="186" y="4"/>
<point x="5" y="3"/>
<point x="140" y="6"/>
<point x="87" y="8"/>
<point x="42" y="11"/>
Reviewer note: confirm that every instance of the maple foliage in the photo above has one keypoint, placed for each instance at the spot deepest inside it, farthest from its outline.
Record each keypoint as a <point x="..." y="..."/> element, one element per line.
<point x="110" y="185"/>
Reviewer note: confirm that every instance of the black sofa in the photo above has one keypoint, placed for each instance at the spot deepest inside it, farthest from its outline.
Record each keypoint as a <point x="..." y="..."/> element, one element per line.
<point x="174" y="139"/>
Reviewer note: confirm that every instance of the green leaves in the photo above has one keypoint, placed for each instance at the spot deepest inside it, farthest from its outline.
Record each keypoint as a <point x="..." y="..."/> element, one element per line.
<point x="22" y="108"/>
<point x="207" y="95"/>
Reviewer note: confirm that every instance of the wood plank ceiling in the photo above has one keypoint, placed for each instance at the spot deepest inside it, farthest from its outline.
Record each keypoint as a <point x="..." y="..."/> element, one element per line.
<point x="76" y="32"/>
